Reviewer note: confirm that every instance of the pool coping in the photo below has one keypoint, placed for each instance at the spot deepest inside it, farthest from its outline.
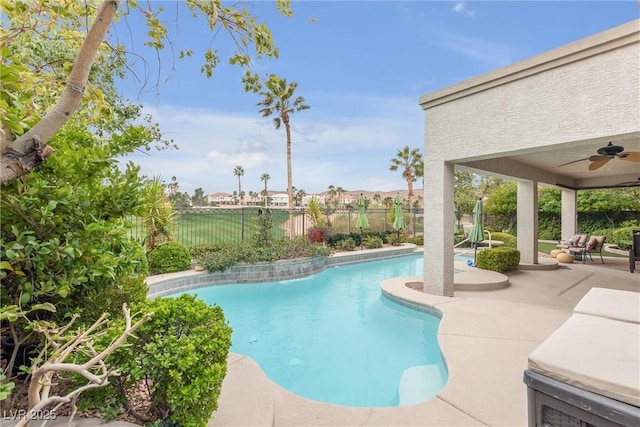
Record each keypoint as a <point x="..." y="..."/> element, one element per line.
<point x="169" y="283"/>
<point x="469" y="278"/>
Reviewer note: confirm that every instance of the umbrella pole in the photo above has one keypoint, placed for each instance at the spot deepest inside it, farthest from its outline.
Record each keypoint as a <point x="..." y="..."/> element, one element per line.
<point x="361" y="240"/>
<point x="475" y="252"/>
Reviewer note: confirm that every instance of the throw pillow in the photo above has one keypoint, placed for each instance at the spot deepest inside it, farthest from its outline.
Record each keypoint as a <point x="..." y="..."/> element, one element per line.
<point x="592" y="243"/>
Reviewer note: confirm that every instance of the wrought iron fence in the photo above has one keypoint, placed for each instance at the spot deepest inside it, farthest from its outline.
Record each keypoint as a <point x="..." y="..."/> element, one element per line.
<point x="197" y="226"/>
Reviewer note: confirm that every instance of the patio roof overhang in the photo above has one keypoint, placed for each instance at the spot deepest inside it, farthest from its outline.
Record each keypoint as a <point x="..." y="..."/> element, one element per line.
<point x="527" y="120"/>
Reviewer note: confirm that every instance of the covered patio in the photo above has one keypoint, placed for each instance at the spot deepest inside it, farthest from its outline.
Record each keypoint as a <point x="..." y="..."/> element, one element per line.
<point x="538" y="122"/>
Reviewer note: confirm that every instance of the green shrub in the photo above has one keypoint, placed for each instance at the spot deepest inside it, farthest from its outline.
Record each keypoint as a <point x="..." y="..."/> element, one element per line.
<point x="179" y="357"/>
<point x="169" y="257"/>
<point x="500" y="259"/>
<point x="347" y="244"/>
<point x="372" y="242"/>
<point x="416" y="240"/>
<point x="221" y="257"/>
<point x="510" y="241"/>
<point x="621" y="237"/>
<point x="396" y="238"/>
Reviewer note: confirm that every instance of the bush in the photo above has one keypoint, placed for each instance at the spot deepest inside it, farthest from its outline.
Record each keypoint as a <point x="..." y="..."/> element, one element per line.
<point x="416" y="240"/>
<point x="510" y="241"/>
<point x="372" y="242"/>
<point x="622" y="237"/>
<point x="500" y="259"/>
<point x="347" y="244"/>
<point x="221" y="257"/>
<point x="169" y="257"/>
<point x="179" y="357"/>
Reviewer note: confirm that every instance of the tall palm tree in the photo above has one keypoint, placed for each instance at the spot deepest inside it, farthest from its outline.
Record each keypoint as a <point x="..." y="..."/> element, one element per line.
<point x="332" y="192"/>
<point x="340" y="192"/>
<point x="277" y="101"/>
<point x="410" y="162"/>
<point x="265" y="177"/>
<point x="239" y="171"/>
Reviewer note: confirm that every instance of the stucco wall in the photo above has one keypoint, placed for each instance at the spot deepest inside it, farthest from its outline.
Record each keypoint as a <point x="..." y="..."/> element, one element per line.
<point x="580" y="100"/>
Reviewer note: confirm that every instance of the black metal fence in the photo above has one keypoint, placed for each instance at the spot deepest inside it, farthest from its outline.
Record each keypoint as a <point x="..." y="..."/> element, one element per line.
<point x="197" y="226"/>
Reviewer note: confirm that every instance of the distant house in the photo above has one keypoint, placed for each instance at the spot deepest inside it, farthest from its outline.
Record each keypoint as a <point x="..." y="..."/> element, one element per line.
<point x="279" y="199"/>
<point x="308" y="197"/>
<point x="220" y="199"/>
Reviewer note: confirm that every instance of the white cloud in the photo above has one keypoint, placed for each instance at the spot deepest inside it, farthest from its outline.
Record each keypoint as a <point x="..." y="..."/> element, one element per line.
<point x="463" y="7"/>
<point x="348" y="149"/>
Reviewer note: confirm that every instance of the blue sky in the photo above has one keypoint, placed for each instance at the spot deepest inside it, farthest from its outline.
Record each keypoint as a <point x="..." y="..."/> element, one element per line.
<point x="360" y="65"/>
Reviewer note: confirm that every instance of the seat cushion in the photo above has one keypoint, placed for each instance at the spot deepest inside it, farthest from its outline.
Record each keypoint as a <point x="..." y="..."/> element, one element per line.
<point x="595" y="354"/>
<point x="611" y="304"/>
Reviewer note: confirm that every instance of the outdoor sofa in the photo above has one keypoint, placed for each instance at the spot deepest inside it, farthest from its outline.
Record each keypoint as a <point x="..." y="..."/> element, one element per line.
<point x="594" y="245"/>
<point x="587" y="373"/>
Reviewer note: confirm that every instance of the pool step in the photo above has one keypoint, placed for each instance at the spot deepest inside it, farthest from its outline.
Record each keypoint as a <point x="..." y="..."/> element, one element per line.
<point x="420" y="383"/>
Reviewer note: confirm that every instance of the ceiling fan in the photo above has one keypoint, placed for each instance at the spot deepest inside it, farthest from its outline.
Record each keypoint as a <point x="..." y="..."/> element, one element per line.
<point x="607" y="153"/>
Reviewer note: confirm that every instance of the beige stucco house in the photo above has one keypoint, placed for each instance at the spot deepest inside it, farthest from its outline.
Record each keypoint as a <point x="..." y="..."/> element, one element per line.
<point x="524" y="122"/>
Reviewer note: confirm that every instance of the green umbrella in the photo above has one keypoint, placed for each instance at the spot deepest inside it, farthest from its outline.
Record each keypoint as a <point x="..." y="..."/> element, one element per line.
<point x="398" y="222"/>
<point x="362" y="221"/>
<point x="476" y="235"/>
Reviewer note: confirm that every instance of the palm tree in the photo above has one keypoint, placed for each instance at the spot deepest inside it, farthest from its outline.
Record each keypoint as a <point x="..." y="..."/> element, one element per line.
<point x="410" y="162"/>
<point x="265" y="177"/>
<point x="299" y="196"/>
<point x="340" y="192"/>
<point x="277" y="101"/>
<point x="332" y="192"/>
<point x="239" y="171"/>
<point x="377" y="198"/>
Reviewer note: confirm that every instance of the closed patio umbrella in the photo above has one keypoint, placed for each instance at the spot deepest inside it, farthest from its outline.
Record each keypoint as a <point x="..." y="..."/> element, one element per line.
<point x="398" y="222"/>
<point x="362" y="221"/>
<point x="476" y="235"/>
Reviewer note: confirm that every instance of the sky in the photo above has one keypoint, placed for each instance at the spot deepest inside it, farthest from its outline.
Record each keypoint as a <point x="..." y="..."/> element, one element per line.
<point x="360" y="65"/>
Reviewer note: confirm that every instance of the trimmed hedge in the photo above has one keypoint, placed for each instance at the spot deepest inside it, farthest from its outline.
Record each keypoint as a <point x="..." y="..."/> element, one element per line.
<point x="178" y="357"/>
<point x="500" y="259"/>
<point x="510" y="241"/>
<point x="169" y="257"/>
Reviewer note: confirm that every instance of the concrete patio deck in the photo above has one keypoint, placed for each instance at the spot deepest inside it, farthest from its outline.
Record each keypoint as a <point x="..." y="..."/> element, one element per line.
<point x="485" y="337"/>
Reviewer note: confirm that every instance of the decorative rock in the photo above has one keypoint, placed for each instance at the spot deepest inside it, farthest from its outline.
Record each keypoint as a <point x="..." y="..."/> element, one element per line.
<point x="554" y="253"/>
<point x="565" y="258"/>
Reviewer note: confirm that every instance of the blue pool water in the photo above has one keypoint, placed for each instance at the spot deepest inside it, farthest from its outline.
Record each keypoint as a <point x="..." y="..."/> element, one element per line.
<point x="333" y="337"/>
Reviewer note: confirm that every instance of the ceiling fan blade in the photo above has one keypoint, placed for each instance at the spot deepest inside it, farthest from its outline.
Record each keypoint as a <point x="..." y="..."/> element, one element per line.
<point x="632" y="156"/>
<point x="575" y="161"/>
<point x="598" y="163"/>
<point x="597" y="158"/>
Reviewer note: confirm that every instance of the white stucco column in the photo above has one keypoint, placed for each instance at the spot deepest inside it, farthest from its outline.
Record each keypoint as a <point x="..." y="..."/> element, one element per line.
<point x="569" y="214"/>
<point x="438" y="228"/>
<point x="528" y="221"/>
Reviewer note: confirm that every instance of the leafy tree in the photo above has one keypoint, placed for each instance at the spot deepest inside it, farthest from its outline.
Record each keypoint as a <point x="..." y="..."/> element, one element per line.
<point x="503" y="206"/>
<point x="410" y="162"/>
<point x="277" y="101"/>
<point x="239" y="172"/>
<point x="23" y="151"/>
<point x="199" y="198"/>
<point x="65" y="235"/>
<point x="465" y="194"/>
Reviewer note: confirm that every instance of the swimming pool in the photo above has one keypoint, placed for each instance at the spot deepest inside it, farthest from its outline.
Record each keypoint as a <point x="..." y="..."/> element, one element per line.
<point x="333" y="337"/>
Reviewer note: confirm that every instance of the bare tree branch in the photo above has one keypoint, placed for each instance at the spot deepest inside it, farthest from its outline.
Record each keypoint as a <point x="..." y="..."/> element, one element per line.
<point x="95" y="370"/>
